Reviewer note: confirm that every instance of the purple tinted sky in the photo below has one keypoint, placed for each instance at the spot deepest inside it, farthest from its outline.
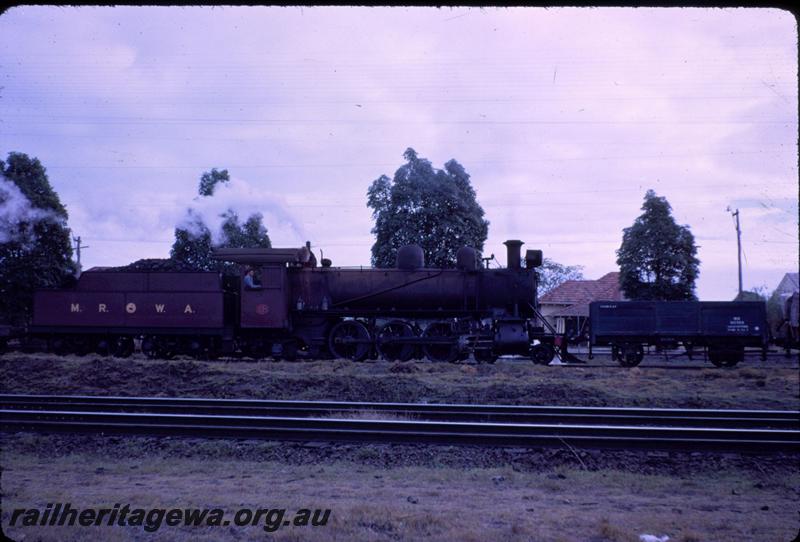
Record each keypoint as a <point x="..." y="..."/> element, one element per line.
<point x="563" y="117"/>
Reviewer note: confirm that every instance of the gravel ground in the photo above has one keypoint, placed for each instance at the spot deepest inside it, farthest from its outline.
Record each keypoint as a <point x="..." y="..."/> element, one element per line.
<point x="400" y="455"/>
<point x="768" y="385"/>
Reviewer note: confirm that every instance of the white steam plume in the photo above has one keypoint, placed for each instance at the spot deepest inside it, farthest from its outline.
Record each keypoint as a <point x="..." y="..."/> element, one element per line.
<point x="18" y="216"/>
<point x="245" y="200"/>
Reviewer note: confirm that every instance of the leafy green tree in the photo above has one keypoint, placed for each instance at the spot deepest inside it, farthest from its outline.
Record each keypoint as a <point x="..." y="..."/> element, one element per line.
<point x="552" y="274"/>
<point x="775" y="313"/>
<point x="194" y="243"/>
<point x="192" y="247"/>
<point x="774" y="306"/>
<point x="35" y="248"/>
<point x="746" y="295"/>
<point x="435" y="209"/>
<point x="210" y="179"/>
<point x="657" y="258"/>
<point x="252" y="233"/>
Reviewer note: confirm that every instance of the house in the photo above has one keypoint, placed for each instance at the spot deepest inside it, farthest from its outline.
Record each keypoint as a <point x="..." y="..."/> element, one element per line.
<point x="788" y="285"/>
<point x="566" y="307"/>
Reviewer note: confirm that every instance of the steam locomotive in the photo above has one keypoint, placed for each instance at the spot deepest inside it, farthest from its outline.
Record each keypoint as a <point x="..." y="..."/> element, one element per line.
<point x="293" y="308"/>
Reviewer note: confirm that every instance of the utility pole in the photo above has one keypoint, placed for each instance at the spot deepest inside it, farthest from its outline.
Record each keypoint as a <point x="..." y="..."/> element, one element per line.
<point x="738" y="246"/>
<point x="78" y="248"/>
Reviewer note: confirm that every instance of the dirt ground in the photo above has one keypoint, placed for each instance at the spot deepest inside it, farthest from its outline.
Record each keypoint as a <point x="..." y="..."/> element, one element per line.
<point x="378" y="492"/>
<point x="407" y="492"/>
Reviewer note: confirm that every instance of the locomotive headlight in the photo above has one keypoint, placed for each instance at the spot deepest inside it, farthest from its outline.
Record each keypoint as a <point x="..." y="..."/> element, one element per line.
<point x="533" y="258"/>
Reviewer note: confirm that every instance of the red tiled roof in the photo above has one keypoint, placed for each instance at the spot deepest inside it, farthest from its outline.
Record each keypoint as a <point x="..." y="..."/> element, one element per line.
<point x="575" y="295"/>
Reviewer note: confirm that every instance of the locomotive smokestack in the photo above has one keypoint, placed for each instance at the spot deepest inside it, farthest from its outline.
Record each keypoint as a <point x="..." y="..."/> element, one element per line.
<point x="513" y="247"/>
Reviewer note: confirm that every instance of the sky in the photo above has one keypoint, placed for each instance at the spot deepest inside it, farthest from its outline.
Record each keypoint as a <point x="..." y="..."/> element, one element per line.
<point x="563" y="117"/>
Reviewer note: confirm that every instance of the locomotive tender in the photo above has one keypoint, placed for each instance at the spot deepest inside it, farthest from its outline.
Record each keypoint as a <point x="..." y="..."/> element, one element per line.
<point x="297" y="308"/>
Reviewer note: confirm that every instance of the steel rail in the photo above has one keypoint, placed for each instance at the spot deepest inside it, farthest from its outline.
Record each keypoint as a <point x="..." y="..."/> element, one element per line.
<point x="263" y="427"/>
<point x="432" y="412"/>
<point x="670" y="367"/>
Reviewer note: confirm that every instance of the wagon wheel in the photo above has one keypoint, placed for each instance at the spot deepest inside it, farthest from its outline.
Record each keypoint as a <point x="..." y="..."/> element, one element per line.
<point x="289" y="351"/>
<point x="194" y="347"/>
<point x="485" y="355"/>
<point x="166" y="348"/>
<point x="350" y="340"/>
<point x="630" y="355"/>
<point x="542" y="353"/>
<point x="82" y="346"/>
<point x="257" y="349"/>
<point x="122" y="347"/>
<point x="103" y="347"/>
<point x="163" y="351"/>
<point x="150" y="347"/>
<point x="440" y="351"/>
<point x="205" y="350"/>
<point x="60" y="346"/>
<point x="396" y="329"/>
<point x="717" y="361"/>
<point x="725" y="358"/>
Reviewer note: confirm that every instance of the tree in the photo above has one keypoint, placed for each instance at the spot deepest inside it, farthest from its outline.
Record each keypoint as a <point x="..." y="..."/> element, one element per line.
<point x="250" y="234"/>
<point x="35" y="248"/>
<point x="192" y="247"/>
<point x="194" y="240"/>
<point x="749" y="296"/>
<point x="210" y="179"/>
<point x="774" y="306"/>
<point x="435" y="209"/>
<point x="657" y="258"/>
<point x="773" y="303"/>
<point x="552" y="274"/>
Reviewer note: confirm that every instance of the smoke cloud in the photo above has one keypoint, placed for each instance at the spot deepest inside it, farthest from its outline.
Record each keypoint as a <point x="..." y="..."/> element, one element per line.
<point x="245" y="200"/>
<point x="18" y="216"/>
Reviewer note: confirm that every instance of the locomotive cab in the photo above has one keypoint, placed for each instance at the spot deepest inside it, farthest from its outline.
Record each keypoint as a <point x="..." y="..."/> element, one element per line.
<point x="266" y="303"/>
<point x="264" y="296"/>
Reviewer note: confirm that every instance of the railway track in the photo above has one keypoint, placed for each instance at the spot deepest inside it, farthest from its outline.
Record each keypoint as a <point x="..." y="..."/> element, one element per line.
<point x="673" y="367"/>
<point x="602" y="360"/>
<point x="689" y="429"/>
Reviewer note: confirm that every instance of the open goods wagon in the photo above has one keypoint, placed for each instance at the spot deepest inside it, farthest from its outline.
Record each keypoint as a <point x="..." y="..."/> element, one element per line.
<point x="721" y="329"/>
